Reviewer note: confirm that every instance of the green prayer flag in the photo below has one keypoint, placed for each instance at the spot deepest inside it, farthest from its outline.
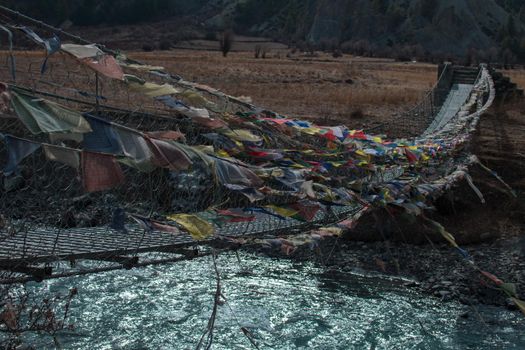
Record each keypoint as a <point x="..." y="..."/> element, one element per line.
<point x="43" y="116"/>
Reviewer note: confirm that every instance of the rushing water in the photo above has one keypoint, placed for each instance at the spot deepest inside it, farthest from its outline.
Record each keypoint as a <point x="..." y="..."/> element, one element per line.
<point x="285" y="305"/>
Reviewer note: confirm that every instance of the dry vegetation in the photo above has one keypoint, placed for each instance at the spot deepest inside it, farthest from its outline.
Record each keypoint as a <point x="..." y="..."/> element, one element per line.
<point x="517" y="76"/>
<point x="350" y="90"/>
<point x="303" y="86"/>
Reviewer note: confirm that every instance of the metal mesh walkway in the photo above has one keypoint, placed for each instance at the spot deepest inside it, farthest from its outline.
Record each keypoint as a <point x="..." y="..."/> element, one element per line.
<point x="458" y="95"/>
<point x="45" y="244"/>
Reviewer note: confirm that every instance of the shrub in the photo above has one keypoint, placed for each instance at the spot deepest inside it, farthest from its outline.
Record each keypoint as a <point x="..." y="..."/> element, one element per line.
<point x="148" y="48"/>
<point x="337" y="53"/>
<point x="226" y="41"/>
<point x="357" y="114"/>
<point x="165" y="45"/>
<point x="212" y="36"/>
<point x="258" y="50"/>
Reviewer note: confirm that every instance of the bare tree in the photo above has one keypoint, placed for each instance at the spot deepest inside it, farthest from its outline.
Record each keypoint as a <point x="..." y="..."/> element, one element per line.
<point x="21" y="313"/>
<point x="226" y="41"/>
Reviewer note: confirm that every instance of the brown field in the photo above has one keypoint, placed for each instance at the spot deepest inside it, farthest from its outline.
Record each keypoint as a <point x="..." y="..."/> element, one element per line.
<point x="517" y="76"/>
<point x="351" y="90"/>
<point x="300" y="86"/>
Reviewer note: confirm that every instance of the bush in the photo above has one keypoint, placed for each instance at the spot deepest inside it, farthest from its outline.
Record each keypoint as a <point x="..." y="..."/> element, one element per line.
<point x="165" y="45"/>
<point x="265" y="51"/>
<point x="212" y="36"/>
<point x="148" y="48"/>
<point x="357" y="114"/>
<point x="337" y="53"/>
<point x="258" y="50"/>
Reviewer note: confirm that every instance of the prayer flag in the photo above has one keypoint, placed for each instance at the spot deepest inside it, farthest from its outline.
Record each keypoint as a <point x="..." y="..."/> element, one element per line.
<point x="198" y="228"/>
<point x="100" y="172"/>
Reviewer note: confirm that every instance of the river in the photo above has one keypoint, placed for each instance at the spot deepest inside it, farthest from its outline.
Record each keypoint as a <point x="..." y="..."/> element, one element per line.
<point x="284" y="304"/>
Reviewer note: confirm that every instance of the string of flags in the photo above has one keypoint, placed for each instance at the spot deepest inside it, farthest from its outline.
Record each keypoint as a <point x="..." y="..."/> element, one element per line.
<point x="317" y="168"/>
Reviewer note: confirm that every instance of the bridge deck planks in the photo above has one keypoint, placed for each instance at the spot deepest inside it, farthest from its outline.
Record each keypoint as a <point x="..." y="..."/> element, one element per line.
<point x="52" y="244"/>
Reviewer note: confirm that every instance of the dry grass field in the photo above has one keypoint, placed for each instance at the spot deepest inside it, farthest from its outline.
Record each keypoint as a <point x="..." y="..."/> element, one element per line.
<point x="517" y="76"/>
<point x="348" y="89"/>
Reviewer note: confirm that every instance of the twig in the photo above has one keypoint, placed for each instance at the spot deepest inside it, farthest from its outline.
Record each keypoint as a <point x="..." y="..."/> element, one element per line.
<point x="208" y="334"/>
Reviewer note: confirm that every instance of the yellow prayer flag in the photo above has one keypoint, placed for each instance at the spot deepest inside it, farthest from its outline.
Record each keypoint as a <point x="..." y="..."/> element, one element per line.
<point x="194" y="98"/>
<point x="310" y="131"/>
<point x="198" y="228"/>
<point x="242" y="135"/>
<point x="448" y="236"/>
<point x="520" y="304"/>
<point x="223" y="153"/>
<point x="286" y="212"/>
<point x="361" y="153"/>
<point x="152" y="89"/>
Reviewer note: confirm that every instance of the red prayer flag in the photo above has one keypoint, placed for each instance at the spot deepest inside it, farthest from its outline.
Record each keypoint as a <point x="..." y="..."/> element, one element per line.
<point x="235" y="217"/>
<point x="330" y="135"/>
<point x="493" y="278"/>
<point x="360" y="135"/>
<point x="168" y="155"/>
<point x="164" y="228"/>
<point x="100" y="172"/>
<point x="412" y="158"/>
<point x="169" y="135"/>
<point x="105" y="65"/>
<point x="211" y="123"/>
<point x="258" y="154"/>
<point x="306" y="212"/>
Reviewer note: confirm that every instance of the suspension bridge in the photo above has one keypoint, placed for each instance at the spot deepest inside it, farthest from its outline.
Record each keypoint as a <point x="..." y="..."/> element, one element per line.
<point x="189" y="166"/>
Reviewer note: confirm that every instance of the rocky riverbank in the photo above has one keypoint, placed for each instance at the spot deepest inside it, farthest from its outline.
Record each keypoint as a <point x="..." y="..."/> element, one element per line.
<point x="435" y="269"/>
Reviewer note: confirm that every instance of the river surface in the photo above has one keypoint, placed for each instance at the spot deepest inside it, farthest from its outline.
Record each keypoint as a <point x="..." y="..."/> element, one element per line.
<point x="284" y="304"/>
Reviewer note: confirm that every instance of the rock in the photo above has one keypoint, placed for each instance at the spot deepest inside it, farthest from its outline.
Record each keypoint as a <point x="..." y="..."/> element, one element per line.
<point x="486" y="236"/>
<point x="510" y="305"/>
<point x="444" y="295"/>
<point x="465" y="300"/>
<point x="410" y="284"/>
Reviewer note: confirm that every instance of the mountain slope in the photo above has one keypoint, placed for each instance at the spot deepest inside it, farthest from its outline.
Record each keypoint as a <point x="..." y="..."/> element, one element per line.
<point x="444" y="27"/>
<point x="451" y="26"/>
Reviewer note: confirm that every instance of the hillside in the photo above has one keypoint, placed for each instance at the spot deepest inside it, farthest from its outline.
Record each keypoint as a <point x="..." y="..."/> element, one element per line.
<point x="491" y="28"/>
<point x="436" y="26"/>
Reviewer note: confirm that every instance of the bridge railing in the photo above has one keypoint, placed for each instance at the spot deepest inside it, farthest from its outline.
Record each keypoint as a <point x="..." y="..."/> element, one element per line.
<point x="413" y="122"/>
